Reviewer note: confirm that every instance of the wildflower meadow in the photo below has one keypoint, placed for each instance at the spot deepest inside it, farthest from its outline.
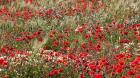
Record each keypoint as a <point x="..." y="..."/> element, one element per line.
<point x="69" y="38"/>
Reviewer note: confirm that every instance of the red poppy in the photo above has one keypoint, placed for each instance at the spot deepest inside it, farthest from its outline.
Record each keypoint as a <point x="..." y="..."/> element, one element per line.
<point x="82" y="76"/>
<point x="124" y="77"/>
<point x="4" y="50"/>
<point x="99" y="75"/>
<point x="55" y="43"/>
<point x="28" y="1"/>
<point x="131" y="72"/>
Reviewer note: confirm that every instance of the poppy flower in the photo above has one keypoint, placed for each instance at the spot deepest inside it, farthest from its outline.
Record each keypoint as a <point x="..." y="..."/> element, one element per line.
<point x="99" y="75"/>
<point x="4" y="50"/>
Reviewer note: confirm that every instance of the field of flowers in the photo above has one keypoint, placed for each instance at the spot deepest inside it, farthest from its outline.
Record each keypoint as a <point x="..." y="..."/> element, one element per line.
<point x="69" y="38"/>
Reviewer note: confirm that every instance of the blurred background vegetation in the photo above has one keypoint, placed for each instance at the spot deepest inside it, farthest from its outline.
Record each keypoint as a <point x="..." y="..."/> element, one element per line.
<point x="69" y="13"/>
